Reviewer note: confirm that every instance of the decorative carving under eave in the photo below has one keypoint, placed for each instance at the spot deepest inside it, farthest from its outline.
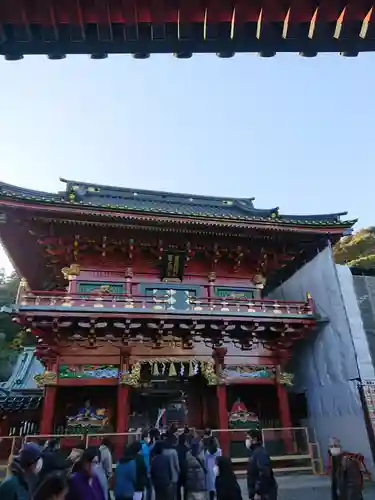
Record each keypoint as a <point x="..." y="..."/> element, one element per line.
<point x="71" y="272"/>
<point x="209" y="373"/>
<point x="45" y="379"/>
<point x="259" y="281"/>
<point x="286" y="378"/>
<point x="132" y="377"/>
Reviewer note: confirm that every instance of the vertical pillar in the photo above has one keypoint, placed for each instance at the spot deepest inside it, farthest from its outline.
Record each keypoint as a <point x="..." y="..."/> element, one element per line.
<point x="122" y="413"/>
<point x="284" y="410"/>
<point x="210" y="289"/>
<point x="221" y="394"/>
<point x="49" y="401"/>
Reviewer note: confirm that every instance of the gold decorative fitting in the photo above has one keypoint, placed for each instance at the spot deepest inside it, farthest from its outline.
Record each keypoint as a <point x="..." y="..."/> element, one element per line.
<point x="286" y="379"/>
<point x="209" y="373"/>
<point x="132" y="377"/>
<point x="46" y="378"/>
<point x="259" y="281"/>
<point x="71" y="272"/>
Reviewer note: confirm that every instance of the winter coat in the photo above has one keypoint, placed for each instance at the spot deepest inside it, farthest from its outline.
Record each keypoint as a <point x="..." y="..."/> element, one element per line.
<point x="227" y="488"/>
<point x="195" y="474"/>
<point x="106" y="460"/>
<point x="210" y="461"/>
<point x="100" y="474"/>
<point x="161" y="473"/>
<point x="260" y="478"/>
<point x="125" y="479"/>
<point x="182" y="453"/>
<point x="171" y="453"/>
<point x="347" y="481"/>
<point x="84" y="487"/>
<point x="146" y="455"/>
<point x="15" y="486"/>
<point x="141" y="473"/>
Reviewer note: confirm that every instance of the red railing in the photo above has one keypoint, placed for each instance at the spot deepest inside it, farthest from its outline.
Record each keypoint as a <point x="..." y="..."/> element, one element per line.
<point x="166" y="303"/>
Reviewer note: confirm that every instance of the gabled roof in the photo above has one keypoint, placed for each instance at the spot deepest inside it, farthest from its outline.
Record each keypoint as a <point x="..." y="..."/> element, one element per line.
<point x="109" y="199"/>
<point x="25" y="369"/>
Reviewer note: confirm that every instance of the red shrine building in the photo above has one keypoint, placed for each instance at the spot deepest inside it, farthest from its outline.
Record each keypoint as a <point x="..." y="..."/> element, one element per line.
<point x="184" y="27"/>
<point x="151" y="308"/>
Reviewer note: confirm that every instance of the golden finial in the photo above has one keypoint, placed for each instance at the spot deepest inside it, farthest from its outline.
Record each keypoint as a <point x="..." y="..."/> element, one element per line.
<point x="71" y="271"/>
<point x="286" y="379"/>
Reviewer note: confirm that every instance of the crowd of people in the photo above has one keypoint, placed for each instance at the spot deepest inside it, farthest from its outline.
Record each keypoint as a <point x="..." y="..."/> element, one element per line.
<point x="169" y="466"/>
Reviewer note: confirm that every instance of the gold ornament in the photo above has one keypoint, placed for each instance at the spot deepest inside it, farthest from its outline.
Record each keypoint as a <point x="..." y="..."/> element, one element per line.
<point x="155" y="370"/>
<point x="70" y="272"/>
<point x="172" y="370"/>
<point x="286" y="379"/>
<point x="46" y="378"/>
<point x="191" y="369"/>
<point x="133" y="377"/>
<point x="208" y="371"/>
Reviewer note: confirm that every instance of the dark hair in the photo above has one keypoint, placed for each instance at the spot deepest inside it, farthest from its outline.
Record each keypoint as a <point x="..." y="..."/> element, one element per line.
<point x="53" y="484"/>
<point x="212" y="445"/>
<point x="154" y="434"/>
<point x="207" y="431"/>
<point x="80" y="446"/>
<point x="158" y="448"/>
<point x="182" y="439"/>
<point x="107" y="442"/>
<point x="145" y="434"/>
<point x="255" y="434"/>
<point x="53" y="443"/>
<point x="225" y="466"/>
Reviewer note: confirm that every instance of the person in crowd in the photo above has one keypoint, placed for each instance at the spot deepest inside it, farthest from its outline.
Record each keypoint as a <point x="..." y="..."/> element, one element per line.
<point x="161" y="473"/>
<point x="145" y="442"/>
<point x="53" y="487"/>
<point x="84" y="483"/>
<point x="105" y="457"/>
<point x="98" y="471"/>
<point x="125" y="476"/>
<point x="76" y="455"/>
<point x="23" y="471"/>
<point x="206" y="438"/>
<point x="53" y="460"/>
<point x="170" y="452"/>
<point x="142" y="476"/>
<point x="211" y="454"/>
<point x="346" y="474"/>
<point x="195" y="484"/>
<point x="226" y="484"/>
<point x="181" y="453"/>
<point x="261" y="482"/>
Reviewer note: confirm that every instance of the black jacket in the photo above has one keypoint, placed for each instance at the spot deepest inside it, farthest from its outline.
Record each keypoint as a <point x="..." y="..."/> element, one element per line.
<point x="260" y="478"/>
<point x="227" y="488"/>
<point x="141" y="473"/>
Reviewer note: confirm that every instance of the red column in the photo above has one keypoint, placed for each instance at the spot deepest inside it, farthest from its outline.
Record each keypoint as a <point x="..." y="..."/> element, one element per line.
<point x="122" y="414"/>
<point x="49" y="401"/>
<point x="285" y="418"/>
<point x="48" y="411"/>
<point x="224" y="438"/>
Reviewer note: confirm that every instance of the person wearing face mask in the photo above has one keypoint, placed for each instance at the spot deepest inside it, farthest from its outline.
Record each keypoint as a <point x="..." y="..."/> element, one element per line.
<point x="226" y="484"/>
<point x="54" y="487"/>
<point x="346" y="475"/>
<point x="22" y="474"/>
<point x="84" y="483"/>
<point x="261" y="483"/>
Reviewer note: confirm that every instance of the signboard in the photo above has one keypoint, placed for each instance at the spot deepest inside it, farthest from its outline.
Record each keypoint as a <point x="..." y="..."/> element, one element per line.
<point x="369" y="396"/>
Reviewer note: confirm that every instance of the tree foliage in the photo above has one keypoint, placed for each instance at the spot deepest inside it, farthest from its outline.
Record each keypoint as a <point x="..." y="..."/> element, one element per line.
<point x="357" y="250"/>
<point x="10" y="334"/>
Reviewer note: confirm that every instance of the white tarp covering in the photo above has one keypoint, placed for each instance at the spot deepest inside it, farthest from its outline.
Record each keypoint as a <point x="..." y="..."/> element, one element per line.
<point x="325" y="365"/>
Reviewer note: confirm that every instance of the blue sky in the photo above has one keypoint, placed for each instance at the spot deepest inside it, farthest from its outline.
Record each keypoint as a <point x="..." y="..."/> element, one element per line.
<point x="292" y="132"/>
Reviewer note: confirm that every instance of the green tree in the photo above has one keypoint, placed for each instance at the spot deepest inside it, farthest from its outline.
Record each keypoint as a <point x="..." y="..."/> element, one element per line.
<point x="357" y="250"/>
<point x="10" y="334"/>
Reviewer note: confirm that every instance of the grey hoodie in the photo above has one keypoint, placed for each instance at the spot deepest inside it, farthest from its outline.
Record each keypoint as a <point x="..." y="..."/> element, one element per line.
<point x="171" y="453"/>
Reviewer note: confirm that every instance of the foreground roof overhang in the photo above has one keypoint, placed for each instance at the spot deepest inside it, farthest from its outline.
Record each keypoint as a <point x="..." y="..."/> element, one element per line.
<point x="185" y="27"/>
<point x="92" y="202"/>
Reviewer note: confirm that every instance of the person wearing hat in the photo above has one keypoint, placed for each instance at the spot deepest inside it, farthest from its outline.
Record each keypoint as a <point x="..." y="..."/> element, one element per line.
<point x="22" y="473"/>
<point x="261" y="482"/>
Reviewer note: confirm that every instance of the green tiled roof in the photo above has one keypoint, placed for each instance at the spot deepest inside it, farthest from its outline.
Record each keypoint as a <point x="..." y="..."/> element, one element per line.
<point x="107" y="198"/>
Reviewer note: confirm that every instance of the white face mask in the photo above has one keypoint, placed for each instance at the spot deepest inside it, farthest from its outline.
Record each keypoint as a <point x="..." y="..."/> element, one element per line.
<point x="335" y="451"/>
<point x="38" y="466"/>
<point x="248" y="443"/>
<point x="216" y="470"/>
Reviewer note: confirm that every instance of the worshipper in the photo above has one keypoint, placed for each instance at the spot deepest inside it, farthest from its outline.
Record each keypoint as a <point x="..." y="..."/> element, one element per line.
<point x="261" y="482"/>
<point x="105" y="457"/>
<point x="125" y="476"/>
<point x="23" y="471"/>
<point x="211" y="454"/>
<point x="346" y="474"/>
<point x="53" y="487"/>
<point x="226" y="484"/>
<point x="170" y="452"/>
<point x="84" y="483"/>
<point x="195" y="484"/>
<point x="182" y="450"/>
<point x="142" y="477"/>
<point x="161" y="473"/>
<point x="53" y="460"/>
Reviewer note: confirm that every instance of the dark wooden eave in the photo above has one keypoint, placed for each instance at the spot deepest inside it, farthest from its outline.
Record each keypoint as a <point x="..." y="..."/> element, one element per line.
<point x="184" y="27"/>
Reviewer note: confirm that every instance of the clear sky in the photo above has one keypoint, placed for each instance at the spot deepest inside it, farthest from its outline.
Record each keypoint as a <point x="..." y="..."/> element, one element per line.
<point x="292" y="132"/>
